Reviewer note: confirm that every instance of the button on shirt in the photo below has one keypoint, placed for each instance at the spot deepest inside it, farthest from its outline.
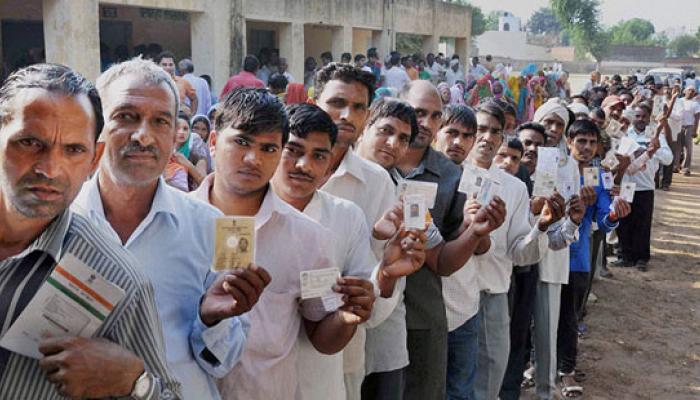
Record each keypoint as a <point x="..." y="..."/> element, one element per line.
<point x="321" y="375"/>
<point x="180" y="276"/>
<point x="287" y="243"/>
<point x="514" y="242"/>
<point x="644" y="179"/>
<point x="133" y="324"/>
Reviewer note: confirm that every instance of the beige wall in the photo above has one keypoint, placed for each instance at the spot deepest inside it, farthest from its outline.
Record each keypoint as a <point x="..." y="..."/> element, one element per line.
<point x="361" y="41"/>
<point x="318" y="40"/>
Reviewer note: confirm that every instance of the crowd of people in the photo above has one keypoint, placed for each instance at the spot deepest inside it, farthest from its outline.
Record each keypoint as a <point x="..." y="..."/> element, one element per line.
<point x="484" y="299"/>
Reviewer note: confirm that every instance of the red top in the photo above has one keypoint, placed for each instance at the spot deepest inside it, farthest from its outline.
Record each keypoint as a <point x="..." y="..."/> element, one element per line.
<point x="243" y="79"/>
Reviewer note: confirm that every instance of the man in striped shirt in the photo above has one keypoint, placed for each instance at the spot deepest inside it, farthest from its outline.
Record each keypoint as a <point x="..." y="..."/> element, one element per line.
<point x="49" y="119"/>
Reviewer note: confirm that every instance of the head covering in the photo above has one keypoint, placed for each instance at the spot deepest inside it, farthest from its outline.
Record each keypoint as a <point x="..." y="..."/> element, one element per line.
<point x="384" y="92"/>
<point x="611" y="101"/>
<point x="578" y="108"/>
<point x="552" y="106"/>
<point x="200" y="117"/>
<point x="454" y="62"/>
<point x="295" y="94"/>
<point x="456" y="95"/>
<point x="442" y="88"/>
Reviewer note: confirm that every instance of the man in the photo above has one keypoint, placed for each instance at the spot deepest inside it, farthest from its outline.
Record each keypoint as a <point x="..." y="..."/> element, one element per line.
<point x="410" y="67"/>
<point x="517" y="242"/>
<point x="309" y="72"/>
<point x="476" y="69"/>
<point x="326" y="58"/>
<point x="283" y="69"/>
<point x="690" y="109"/>
<point x="303" y="168"/>
<point x="201" y="86"/>
<point x="396" y="77"/>
<point x="453" y="74"/>
<point x="582" y="141"/>
<point x="635" y="231"/>
<point x="457" y="133"/>
<point x="390" y="130"/>
<point x="345" y="93"/>
<point x="245" y="79"/>
<point x="346" y="58"/>
<point x="361" y="62"/>
<point x="373" y="63"/>
<point x="188" y="94"/>
<point x="509" y="155"/>
<point x="592" y="82"/>
<point x="129" y="199"/>
<point x="50" y="118"/>
<point x="247" y="145"/>
<point x="263" y="73"/>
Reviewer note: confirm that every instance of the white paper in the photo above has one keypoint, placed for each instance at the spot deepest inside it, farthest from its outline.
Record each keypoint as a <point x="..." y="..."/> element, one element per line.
<point x="74" y="301"/>
<point x="472" y="179"/>
<point x="568" y="190"/>
<point x="414" y="211"/>
<point x="546" y="171"/>
<point x="317" y="283"/>
<point x="608" y="181"/>
<point x="627" y="191"/>
<point x="591" y="177"/>
<point x="610" y="161"/>
<point x="427" y="189"/>
<point x="628" y="146"/>
<point x="489" y="189"/>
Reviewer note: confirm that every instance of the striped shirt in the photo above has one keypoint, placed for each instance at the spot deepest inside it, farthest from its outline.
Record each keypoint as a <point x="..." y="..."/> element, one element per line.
<point x="133" y="324"/>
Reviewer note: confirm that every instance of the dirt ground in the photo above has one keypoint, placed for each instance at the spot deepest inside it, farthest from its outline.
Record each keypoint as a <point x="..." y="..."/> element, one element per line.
<point x="643" y="339"/>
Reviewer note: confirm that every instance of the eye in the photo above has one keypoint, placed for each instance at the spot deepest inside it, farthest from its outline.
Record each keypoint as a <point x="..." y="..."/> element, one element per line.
<point x="321" y="156"/>
<point x="163" y="121"/>
<point x="75" y="149"/>
<point x="30" y="142"/>
<point x="124" y="116"/>
<point x="405" y="138"/>
<point x="241" y="142"/>
<point x="360" y="107"/>
<point x="269" y="148"/>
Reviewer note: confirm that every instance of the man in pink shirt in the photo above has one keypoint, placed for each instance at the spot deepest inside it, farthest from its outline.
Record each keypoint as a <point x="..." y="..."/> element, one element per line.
<point x="245" y="78"/>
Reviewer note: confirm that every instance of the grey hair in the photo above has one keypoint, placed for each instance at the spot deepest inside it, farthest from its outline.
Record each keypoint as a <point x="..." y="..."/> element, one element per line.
<point x="186" y="66"/>
<point x="147" y="70"/>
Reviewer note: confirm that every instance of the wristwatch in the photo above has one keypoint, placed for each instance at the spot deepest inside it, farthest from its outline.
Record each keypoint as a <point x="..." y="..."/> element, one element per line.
<point x="144" y="386"/>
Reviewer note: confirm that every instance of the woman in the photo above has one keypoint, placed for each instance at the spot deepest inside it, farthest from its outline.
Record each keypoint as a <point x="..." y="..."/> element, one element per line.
<point x="445" y="92"/>
<point x="296" y="94"/>
<point x="190" y="153"/>
<point x="201" y="126"/>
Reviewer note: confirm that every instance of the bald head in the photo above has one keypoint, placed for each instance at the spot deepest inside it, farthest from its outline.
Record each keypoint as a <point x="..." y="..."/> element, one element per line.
<point x="425" y="99"/>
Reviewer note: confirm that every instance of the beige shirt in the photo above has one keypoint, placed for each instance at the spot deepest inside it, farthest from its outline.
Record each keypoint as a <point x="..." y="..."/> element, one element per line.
<point x="268" y="370"/>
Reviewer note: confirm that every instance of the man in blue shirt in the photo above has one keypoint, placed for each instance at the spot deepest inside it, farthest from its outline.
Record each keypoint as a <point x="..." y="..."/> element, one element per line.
<point x="582" y="141"/>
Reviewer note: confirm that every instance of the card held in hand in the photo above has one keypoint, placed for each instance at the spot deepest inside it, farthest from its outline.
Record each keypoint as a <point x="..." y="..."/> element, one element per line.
<point x="234" y="245"/>
<point x="590" y="177"/>
<point x="627" y="191"/>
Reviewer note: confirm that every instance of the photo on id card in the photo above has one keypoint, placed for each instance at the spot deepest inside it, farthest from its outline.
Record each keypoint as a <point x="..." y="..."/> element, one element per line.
<point x="590" y="177"/>
<point x="414" y="211"/>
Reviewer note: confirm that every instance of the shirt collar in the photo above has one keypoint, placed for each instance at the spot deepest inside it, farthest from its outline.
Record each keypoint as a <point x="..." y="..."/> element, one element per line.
<point x="351" y="164"/>
<point x="51" y="240"/>
<point x="430" y="163"/>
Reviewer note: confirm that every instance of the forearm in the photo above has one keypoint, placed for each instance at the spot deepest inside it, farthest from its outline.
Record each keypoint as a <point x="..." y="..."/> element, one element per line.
<point x="455" y="254"/>
<point x="331" y="334"/>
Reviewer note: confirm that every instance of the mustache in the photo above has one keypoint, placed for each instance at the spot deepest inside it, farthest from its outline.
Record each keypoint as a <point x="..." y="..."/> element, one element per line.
<point x="303" y="175"/>
<point x="34" y="179"/>
<point x="135" y="147"/>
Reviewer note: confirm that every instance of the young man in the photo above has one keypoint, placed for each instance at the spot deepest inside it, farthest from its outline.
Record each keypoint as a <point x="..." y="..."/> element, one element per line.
<point x="50" y="118"/>
<point x="582" y="141"/>
<point x="247" y="143"/>
<point x="303" y="168"/>
<point x="690" y="109"/>
<point x="391" y="128"/>
<point x="457" y="133"/>
<point x="516" y="242"/>
<point x="129" y="200"/>
<point x="635" y="231"/>
<point x="395" y="76"/>
<point x="188" y="94"/>
<point x="345" y="93"/>
<point x="246" y="78"/>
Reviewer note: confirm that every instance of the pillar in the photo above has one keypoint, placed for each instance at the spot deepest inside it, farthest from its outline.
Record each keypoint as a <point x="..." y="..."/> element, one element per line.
<point x="462" y="49"/>
<point x="341" y="41"/>
<point x="211" y="38"/>
<point x="237" y="44"/>
<point x="384" y="42"/>
<point x="291" y="44"/>
<point x="431" y="44"/>
<point x="72" y="35"/>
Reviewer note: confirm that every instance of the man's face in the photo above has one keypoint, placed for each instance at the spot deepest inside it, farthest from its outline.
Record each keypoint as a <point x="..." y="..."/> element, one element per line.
<point x="489" y="136"/>
<point x="430" y="59"/>
<point x="600" y="122"/>
<point x="244" y="162"/>
<point x="689" y="93"/>
<point x="283" y="65"/>
<point x="555" y="128"/>
<point x="386" y="141"/>
<point x="360" y="62"/>
<point x="310" y="64"/>
<point x="509" y="128"/>
<point x="531" y="140"/>
<point x="426" y="101"/>
<point x="615" y="111"/>
<point x="583" y="147"/>
<point x="47" y="151"/>
<point x="139" y="132"/>
<point x="626" y="98"/>
<point x="304" y="165"/>
<point x="455" y="141"/>
<point x="168" y="64"/>
<point x="508" y="159"/>
<point x="641" y="119"/>
<point x="346" y="103"/>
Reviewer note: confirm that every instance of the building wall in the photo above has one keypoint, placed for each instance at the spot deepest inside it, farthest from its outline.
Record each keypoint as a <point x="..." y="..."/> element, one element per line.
<point x="510" y="44"/>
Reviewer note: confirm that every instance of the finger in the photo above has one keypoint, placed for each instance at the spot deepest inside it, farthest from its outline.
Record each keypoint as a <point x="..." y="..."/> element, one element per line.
<point x="237" y="295"/>
<point x="53" y="345"/>
<point x="354" y="281"/>
<point x="248" y="290"/>
<point x="51" y="364"/>
<point x="352" y="291"/>
<point x="249" y="276"/>
<point x="56" y="377"/>
<point x="262" y="273"/>
<point x="365" y="302"/>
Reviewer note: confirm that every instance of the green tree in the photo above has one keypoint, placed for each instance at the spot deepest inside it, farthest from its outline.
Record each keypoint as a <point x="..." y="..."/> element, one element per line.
<point x="684" y="46"/>
<point x="492" y="20"/>
<point x="543" y="21"/>
<point x="633" y="31"/>
<point x="478" y="22"/>
<point x="580" y="18"/>
<point x="407" y="43"/>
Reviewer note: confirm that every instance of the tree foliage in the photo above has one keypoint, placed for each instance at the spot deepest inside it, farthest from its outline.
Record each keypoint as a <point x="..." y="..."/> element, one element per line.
<point x="478" y="22"/>
<point x="684" y="46"/>
<point x="492" y="20"/>
<point x="580" y="18"/>
<point x="543" y="21"/>
<point x="633" y="31"/>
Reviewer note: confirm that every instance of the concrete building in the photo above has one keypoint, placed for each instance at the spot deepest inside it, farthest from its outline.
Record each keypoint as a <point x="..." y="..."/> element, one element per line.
<point x="507" y="22"/>
<point x="217" y="34"/>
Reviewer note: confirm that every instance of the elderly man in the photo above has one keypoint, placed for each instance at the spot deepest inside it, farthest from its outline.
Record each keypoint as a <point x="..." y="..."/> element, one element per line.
<point x="201" y="86"/>
<point x="50" y="117"/>
<point x="130" y="200"/>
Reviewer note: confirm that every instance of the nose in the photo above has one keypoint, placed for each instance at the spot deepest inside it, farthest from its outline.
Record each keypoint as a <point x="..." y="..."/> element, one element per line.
<point x="143" y="135"/>
<point x="302" y="164"/>
<point x="345" y="112"/>
<point x="252" y="158"/>
<point x="50" y="164"/>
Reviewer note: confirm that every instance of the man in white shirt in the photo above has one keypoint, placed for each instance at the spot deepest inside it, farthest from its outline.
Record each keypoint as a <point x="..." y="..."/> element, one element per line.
<point x="454" y="73"/>
<point x="304" y="165"/>
<point x="635" y="230"/>
<point x="200" y="86"/>
<point x="395" y="76"/>
<point x="345" y="93"/>
<point x="283" y="66"/>
<point x="515" y="242"/>
<point x="690" y="116"/>
<point x="200" y="310"/>
<point x="247" y="145"/>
